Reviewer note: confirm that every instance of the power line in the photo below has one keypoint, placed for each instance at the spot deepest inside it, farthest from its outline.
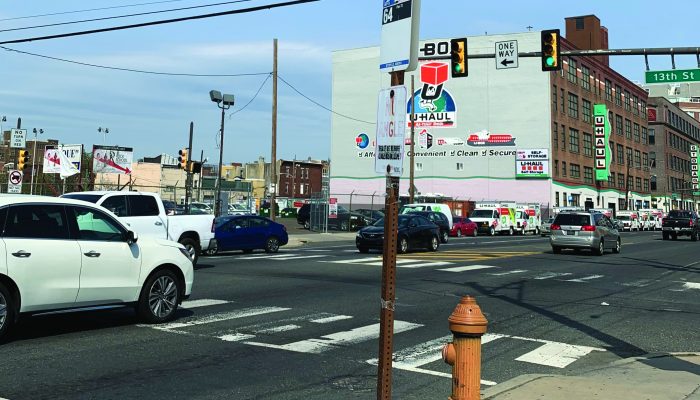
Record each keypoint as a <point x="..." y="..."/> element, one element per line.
<point x="88" y="10"/>
<point x="122" y="16"/>
<point x="129" y="69"/>
<point x="251" y="100"/>
<point x="160" y="22"/>
<point x="321" y="105"/>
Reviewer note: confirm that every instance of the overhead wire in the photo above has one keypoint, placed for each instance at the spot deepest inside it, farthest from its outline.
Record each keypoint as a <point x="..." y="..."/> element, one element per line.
<point x="252" y="99"/>
<point x="89" y="10"/>
<point x="123" y="16"/>
<point x="159" y="22"/>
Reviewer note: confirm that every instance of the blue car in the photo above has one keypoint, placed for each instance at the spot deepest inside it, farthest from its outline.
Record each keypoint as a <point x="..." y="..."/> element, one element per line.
<point x="249" y="232"/>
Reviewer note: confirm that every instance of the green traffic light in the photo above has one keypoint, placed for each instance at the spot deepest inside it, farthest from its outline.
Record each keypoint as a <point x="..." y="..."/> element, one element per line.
<point x="458" y="68"/>
<point x="550" y="61"/>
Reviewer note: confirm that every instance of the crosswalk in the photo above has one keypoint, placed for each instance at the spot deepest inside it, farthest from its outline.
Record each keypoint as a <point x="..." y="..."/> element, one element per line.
<point x="297" y="331"/>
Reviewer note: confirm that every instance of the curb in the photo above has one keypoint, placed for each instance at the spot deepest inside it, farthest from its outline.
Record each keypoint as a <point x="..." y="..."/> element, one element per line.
<point x="512" y="384"/>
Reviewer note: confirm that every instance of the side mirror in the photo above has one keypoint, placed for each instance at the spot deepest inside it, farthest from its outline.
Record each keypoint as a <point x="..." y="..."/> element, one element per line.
<point x="131" y="237"/>
<point x="413" y="225"/>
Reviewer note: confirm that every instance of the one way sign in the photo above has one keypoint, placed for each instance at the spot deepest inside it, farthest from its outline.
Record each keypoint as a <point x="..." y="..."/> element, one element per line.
<point x="507" y="54"/>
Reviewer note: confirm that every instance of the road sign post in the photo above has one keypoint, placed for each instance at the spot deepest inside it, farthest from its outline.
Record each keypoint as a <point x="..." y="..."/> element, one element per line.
<point x="399" y="51"/>
<point x="14" y="182"/>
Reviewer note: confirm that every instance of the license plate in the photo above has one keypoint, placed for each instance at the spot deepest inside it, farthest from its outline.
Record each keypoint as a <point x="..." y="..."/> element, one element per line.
<point x="484" y="224"/>
<point x="571" y="233"/>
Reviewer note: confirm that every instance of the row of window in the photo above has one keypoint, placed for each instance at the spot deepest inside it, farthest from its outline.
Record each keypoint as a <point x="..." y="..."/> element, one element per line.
<point x="573" y="140"/>
<point x="682" y="124"/>
<point x="574" y="172"/>
<point x="678" y="142"/>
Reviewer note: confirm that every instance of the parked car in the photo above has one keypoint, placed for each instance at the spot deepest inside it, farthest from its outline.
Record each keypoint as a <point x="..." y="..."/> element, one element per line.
<point x="289" y="212"/>
<point x="370" y="215"/>
<point x="415" y="231"/>
<point x="144" y="213"/>
<point x="248" y="233"/>
<point x="463" y="226"/>
<point x="203" y="207"/>
<point x="65" y="255"/>
<point x="347" y="221"/>
<point x="238" y="209"/>
<point x="681" y="223"/>
<point x="544" y="228"/>
<point x="584" y="230"/>
<point x="304" y="216"/>
<point x="438" y="219"/>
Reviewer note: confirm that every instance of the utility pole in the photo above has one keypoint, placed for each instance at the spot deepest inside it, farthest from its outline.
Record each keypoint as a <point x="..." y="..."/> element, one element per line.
<point x="412" y="188"/>
<point x="199" y="187"/>
<point x="273" y="162"/>
<point x="19" y="126"/>
<point x="188" y="172"/>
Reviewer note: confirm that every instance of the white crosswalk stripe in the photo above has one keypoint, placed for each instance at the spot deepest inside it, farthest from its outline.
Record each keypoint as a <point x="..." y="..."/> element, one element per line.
<point x="468" y="268"/>
<point x="585" y="279"/>
<point x="400" y="263"/>
<point x="684" y="286"/>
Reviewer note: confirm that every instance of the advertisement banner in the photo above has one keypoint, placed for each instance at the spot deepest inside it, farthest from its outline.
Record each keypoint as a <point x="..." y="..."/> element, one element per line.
<point x="531" y="169"/>
<point x="601" y="129"/>
<point x="694" y="164"/>
<point x="532" y="154"/>
<point x="112" y="159"/>
<point x="52" y="160"/>
<point x="333" y="208"/>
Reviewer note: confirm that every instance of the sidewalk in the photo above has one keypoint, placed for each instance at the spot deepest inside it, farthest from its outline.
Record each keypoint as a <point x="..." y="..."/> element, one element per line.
<point x="300" y="239"/>
<point x="652" y="377"/>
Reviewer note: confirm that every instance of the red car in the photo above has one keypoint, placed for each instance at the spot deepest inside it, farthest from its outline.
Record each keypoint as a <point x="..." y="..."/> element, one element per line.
<point x="462" y="226"/>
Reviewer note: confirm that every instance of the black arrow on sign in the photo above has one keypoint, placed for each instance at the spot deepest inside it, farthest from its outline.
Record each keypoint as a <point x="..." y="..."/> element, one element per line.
<point x="506" y="62"/>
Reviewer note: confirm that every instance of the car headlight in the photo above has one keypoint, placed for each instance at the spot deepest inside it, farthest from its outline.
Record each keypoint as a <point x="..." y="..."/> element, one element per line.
<point x="359" y="234"/>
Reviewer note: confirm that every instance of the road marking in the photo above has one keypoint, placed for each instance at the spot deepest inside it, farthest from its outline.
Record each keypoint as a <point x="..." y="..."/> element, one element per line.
<point x="399" y="261"/>
<point x="296" y="258"/>
<point x="550" y="275"/>
<point x="330" y="319"/>
<point x="219" y="317"/>
<point x="338" y="339"/>
<point x="639" y="283"/>
<point x="265" y="257"/>
<point x="318" y="250"/>
<point x="235" y="337"/>
<point x="282" y="328"/>
<point x="200" y="303"/>
<point x="426" y="264"/>
<point x="686" y="286"/>
<point x="585" y="279"/>
<point x="467" y="268"/>
<point x="554" y="354"/>
<point x="515" y="271"/>
<point x="356" y="261"/>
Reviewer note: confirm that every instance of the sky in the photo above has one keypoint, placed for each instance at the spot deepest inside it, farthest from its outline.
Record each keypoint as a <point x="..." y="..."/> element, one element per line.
<point x="152" y="113"/>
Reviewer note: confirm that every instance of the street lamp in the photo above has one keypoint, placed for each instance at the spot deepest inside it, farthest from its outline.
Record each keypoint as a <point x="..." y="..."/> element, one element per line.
<point x="104" y="132"/>
<point x="224" y="102"/>
<point x="33" y="155"/>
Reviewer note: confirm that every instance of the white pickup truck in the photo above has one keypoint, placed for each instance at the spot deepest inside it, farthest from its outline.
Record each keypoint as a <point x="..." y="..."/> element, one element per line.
<point x="144" y="213"/>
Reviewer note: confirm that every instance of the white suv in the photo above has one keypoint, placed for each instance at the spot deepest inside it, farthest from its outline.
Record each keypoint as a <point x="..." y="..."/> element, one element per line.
<point x="60" y="255"/>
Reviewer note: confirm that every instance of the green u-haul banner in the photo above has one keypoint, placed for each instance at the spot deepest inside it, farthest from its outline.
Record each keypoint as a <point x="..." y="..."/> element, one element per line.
<point x="601" y="129"/>
<point x="694" y="165"/>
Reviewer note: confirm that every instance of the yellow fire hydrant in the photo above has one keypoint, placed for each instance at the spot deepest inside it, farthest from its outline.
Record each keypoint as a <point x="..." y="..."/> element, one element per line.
<point x="467" y="324"/>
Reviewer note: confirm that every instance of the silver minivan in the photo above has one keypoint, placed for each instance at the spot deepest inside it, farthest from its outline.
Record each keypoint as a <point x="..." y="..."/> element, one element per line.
<point x="584" y="230"/>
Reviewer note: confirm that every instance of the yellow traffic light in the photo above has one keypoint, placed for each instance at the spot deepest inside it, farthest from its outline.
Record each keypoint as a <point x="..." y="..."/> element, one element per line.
<point x="22" y="159"/>
<point x="183" y="159"/>
<point x="458" y="58"/>
<point x="551" y="55"/>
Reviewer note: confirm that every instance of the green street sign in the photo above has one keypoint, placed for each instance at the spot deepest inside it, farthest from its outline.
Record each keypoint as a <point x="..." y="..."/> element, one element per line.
<point x="674" y="75"/>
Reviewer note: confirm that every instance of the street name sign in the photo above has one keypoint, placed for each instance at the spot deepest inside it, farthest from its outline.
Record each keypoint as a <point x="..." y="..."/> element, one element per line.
<point x="18" y="138"/>
<point x="391" y="131"/>
<point x="399" y="48"/>
<point x="673" y="76"/>
<point x="507" y="54"/>
<point x="14" y="182"/>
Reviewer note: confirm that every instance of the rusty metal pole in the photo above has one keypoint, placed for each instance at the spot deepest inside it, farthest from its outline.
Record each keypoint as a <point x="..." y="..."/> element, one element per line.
<point x="412" y="187"/>
<point x="386" y="316"/>
<point x="467" y="324"/>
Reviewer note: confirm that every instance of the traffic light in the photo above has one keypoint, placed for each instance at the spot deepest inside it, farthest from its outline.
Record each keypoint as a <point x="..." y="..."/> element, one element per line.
<point x="458" y="55"/>
<point x="22" y="159"/>
<point x="196" y="167"/>
<point x="551" y="56"/>
<point x="183" y="159"/>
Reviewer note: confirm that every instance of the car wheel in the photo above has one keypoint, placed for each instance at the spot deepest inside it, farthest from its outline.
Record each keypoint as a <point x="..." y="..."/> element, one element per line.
<point x="459" y="233"/>
<point x="272" y="245"/>
<point x="192" y="247"/>
<point x="444" y="237"/>
<point x="403" y="245"/>
<point x="618" y="246"/>
<point x="492" y="231"/>
<point x="511" y="231"/>
<point x="363" y="249"/>
<point x="537" y="231"/>
<point x="159" y="297"/>
<point x="344" y="226"/>
<point x="664" y="236"/>
<point x="475" y="233"/>
<point x="434" y="244"/>
<point x="307" y="225"/>
<point x="556" y="249"/>
<point x="7" y="311"/>
<point x="601" y="248"/>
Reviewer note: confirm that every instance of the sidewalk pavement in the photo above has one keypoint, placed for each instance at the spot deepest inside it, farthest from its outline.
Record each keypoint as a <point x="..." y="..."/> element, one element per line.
<point x="673" y="376"/>
<point x="300" y="239"/>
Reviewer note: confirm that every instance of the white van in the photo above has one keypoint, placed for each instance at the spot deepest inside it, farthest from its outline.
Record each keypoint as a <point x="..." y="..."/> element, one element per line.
<point x="630" y="220"/>
<point x="441" y="208"/>
<point x="492" y="218"/>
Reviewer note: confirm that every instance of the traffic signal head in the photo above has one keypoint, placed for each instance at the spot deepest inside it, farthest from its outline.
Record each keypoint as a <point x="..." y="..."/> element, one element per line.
<point x="22" y="159"/>
<point x="183" y="159"/>
<point x="551" y="54"/>
<point x="458" y="54"/>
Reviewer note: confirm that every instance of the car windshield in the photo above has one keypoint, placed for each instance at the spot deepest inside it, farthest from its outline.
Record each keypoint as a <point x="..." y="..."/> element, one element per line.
<point x="403" y="221"/>
<point x="679" y="214"/>
<point x="409" y="209"/>
<point x="573" y="219"/>
<point x="482" y="214"/>
<point x="92" y="198"/>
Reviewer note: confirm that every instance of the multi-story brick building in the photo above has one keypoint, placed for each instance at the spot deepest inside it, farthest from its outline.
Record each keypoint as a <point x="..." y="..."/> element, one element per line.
<point x="298" y="179"/>
<point x="671" y="133"/>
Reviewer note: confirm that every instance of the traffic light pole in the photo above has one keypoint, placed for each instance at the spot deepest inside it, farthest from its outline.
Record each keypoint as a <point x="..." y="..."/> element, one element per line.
<point x="188" y="171"/>
<point x="654" y="51"/>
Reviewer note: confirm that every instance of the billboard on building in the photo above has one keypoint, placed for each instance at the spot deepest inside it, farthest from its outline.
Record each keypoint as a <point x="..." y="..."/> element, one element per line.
<point x="112" y="159"/>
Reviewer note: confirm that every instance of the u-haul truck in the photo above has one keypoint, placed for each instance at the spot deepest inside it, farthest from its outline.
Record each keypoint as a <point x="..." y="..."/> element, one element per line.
<point x="528" y="218"/>
<point x="629" y="219"/>
<point x="651" y="219"/>
<point x="492" y="218"/>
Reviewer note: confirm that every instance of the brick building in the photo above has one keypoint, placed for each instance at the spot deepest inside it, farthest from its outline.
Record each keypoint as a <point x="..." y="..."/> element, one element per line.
<point x="298" y="179"/>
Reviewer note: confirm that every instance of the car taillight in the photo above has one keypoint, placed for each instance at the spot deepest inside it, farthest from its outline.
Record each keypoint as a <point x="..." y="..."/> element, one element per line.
<point x="690" y="223"/>
<point x="554" y="227"/>
<point x="588" y="228"/>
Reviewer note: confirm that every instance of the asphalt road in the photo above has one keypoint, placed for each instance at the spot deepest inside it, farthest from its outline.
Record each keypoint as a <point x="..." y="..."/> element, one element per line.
<point x="303" y="324"/>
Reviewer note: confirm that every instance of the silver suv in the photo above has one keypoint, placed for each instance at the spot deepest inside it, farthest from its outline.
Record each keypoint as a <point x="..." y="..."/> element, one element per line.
<point x="584" y="230"/>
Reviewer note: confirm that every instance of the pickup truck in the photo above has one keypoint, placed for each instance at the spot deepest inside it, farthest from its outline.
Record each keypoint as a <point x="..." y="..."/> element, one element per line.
<point x="145" y="213"/>
<point x="681" y="223"/>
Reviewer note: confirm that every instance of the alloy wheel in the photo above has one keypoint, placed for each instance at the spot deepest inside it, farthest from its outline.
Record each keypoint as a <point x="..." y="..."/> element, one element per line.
<point x="272" y="245"/>
<point x="191" y="250"/>
<point x="163" y="296"/>
<point x="3" y="310"/>
<point x="459" y="233"/>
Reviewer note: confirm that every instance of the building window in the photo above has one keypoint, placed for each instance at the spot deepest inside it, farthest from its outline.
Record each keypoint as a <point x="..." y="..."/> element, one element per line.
<point x="628" y="101"/>
<point x="635" y="105"/>
<point x="645" y="135"/>
<point x="585" y="78"/>
<point x="652" y="159"/>
<point x="563" y="137"/>
<point x="555" y="136"/>
<point x="419" y="166"/>
<point x="611" y="180"/>
<point x="562" y="100"/>
<point x="618" y="96"/>
<point x="563" y="168"/>
<point x="587" y="144"/>
<point x="653" y="183"/>
<point x="556" y="199"/>
<point x="630" y="183"/>
<point x="608" y="90"/>
<point x="643" y="109"/>
<point x="611" y="147"/>
<point x="629" y="155"/>
<point x="620" y="154"/>
<point x="638" y="184"/>
<point x="645" y="160"/>
<point x="564" y="199"/>
<point x="572" y="71"/>
<point x="646" y="185"/>
<point x="636" y="132"/>
<point x="588" y="174"/>
<point x="554" y="98"/>
<point x="573" y="140"/>
<point x="575" y="171"/>
<point x="637" y="159"/>
<point x="628" y="129"/>
<point x="618" y="124"/>
<point x="621" y="181"/>
<point x="556" y="167"/>
<point x="573" y="105"/>
<point x="587" y="111"/>
<point x="460" y="166"/>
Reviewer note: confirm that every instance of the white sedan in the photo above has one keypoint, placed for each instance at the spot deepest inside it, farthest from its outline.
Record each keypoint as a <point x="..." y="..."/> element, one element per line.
<point x="59" y="255"/>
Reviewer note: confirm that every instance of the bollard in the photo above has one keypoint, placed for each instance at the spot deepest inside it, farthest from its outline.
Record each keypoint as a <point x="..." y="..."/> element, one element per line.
<point x="467" y="324"/>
